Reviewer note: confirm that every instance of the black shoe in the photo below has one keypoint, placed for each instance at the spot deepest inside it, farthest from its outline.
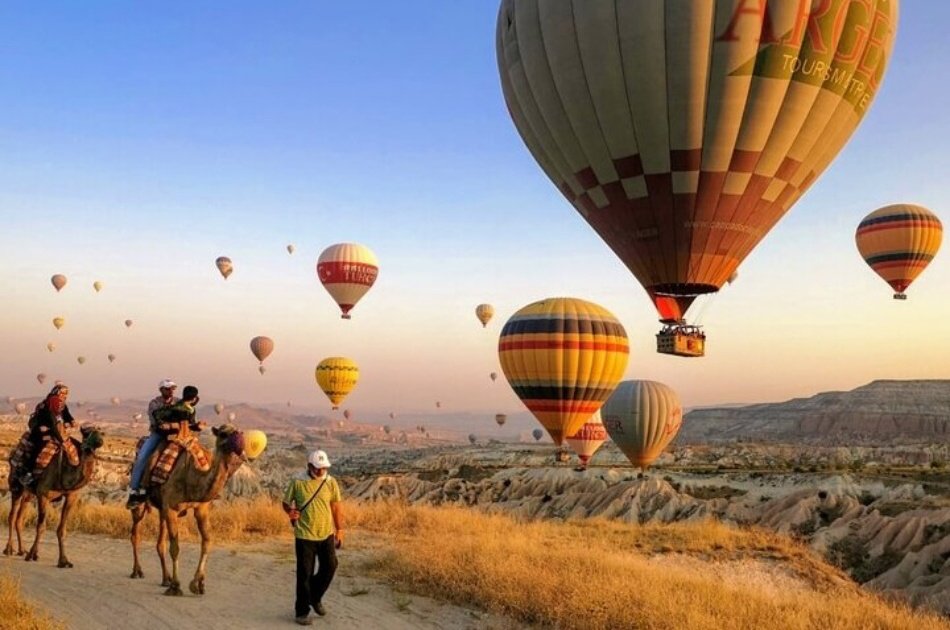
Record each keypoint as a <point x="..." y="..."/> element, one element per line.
<point x="26" y="479"/>
<point x="319" y="609"/>
<point x="304" y="620"/>
<point x="135" y="499"/>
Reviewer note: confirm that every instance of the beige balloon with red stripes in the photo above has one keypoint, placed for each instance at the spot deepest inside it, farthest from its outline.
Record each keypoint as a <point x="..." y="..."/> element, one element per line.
<point x="347" y="271"/>
<point x="682" y="131"/>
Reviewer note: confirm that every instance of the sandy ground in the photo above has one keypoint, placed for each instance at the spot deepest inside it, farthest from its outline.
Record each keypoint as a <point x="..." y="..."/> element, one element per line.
<point x="244" y="589"/>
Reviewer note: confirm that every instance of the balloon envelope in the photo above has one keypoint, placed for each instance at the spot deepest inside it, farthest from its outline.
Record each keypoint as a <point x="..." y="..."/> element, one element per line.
<point x="41" y="378"/>
<point x="59" y="281"/>
<point x="115" y="400"/>
<point x="232" y="417"/>
<point x="683" y="131"/>
<point x="218" y="408"/>
<point x="347" y="271"/>
<point x="588" y="438"/>
<point x="290" y="249"/>
<point x="537" y="434"/>
<point x="51" y="346"/>
<point x="484" y="313"/>
<point x="337" y="376"/>
<point x="493" y="376"/>
<point x="642" y="418"/>
<point x="20" y="408"/>
<point x="346" y="414"/>
<point x="59" y="322"/>
<point x="563" y="357"/>
<point x="471" y="438"/>
<point x="254" y="443"/>
<point x="97" y="286"/>
<point x="500" y="419"/>
<point x="261" y="347"/>
<point x="128" y="323"/>
<point x="225" y="266"/>
<point x="111" y="358"/>
<point x="898" y="242"/>
<point x="80" y="360"/>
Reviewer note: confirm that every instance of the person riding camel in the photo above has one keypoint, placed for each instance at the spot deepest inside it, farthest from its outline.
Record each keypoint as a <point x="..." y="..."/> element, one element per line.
<point x="166" y="389"/>
<point x="47" y="422"/>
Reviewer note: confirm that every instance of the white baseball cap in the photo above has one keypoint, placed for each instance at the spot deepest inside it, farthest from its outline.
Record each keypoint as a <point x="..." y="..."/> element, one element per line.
<point x="167" y="384"/>
<point x="318" y="459"/>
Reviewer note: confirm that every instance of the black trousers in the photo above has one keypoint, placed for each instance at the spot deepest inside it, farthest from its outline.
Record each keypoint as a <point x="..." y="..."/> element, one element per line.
<point x="310" y="587"/>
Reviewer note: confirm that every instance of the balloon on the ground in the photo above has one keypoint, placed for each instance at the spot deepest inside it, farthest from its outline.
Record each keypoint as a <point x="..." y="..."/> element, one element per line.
<point x="898" y="242"/>
<point x="225" y="266"/>
<point x="111" y="358"/>
<point x="254" y="443"/>
<point x="41" y="378"/>
<point x="500" y="419"/>
<point x="537" y="434"/>
<point x="337" y="376"/>
<point x="97" y="286"/>
<point x="588" y="438"/>
<point x="642" y="418"/>
<point x="59" y="322"/>
<point x="563" y="357"/>
<point x="128" y="323"/>
<point x="51" y="346"/>
<point x="484" y="313"/>
<point x="682" y="132"/>
<point x="347" y="271"/>
<point x="59" y="281"/>
<point x="218" y="408"/>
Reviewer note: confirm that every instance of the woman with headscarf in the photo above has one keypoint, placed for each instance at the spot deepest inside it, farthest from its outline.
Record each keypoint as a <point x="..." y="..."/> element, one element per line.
<point x="46" y="423"/>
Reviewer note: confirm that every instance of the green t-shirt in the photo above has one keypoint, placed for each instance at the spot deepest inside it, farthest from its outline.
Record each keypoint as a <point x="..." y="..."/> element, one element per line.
<point x="316" y="522"/>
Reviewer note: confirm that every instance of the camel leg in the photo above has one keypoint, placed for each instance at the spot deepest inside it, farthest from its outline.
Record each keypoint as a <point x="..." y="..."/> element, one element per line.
<point x="68" y="501"/>
<point x="42" y="504"/>
<point x="12" y="518"/>
<point x="138" y="515"/>
<point x="20" y="519"/>
<point x="203" y="520"/>
<point x="171" y="523"/>
<point x="162" y="548"/>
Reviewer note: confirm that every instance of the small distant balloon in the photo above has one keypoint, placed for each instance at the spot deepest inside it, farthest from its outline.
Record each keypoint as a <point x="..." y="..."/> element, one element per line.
<point x="20" y="408"/>
<point x="224" y="266"/>
<point x="41" y="378"/>
<point x="471" y="438"/>
<point x="97" y="286"/>
<point x="500" y="419"/>
<point x="493" y="376"/>
<point x="115" y="400"/>
<point x="10" y="399"/>
<point x="347" y="414"/>
<point x="537" y="434"/>
<point x="128" y="323"/>
<point x="438" y="405"/>
<point x="232" y="417"/>
<point x="51" y="346"/>
<point x="218" y="408"/>
<point x="59" y="322"/>
<point x="261" y="348"/>
<point x="59" y="281"/>
<point x="392" y="415"/>
<point x="290" y="249"/>
<point x="484" y="313"/>
<point x="80" y="360"/>
<point x="339" y="424"/>
<point x="137" y="417"/>
<point x="388" y="429"/>
<point x="111" y="358"/>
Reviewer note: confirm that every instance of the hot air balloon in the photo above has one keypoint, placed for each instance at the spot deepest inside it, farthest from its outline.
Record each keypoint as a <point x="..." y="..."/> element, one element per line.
<point x="97" y="286"/>
<point x="51" y="346"/>
<point x="20" y="408"/>
<point x="387" y="429"/>
<point x="438" y="405"/>
<point x="290" y="249"/>
<point x="128" y="323"/>
<point x="232" y="417"/>
<point x="59" y="322"/>
<point x="471" y="438"/>
<point x="135" y="418"/>
<point x="337" y="376"/>
<point x="682" y="132"/>
<point x="41" y="378"/>
<point x="347" y="271"/>
<point x="254" y="443"/>
<point x="218" y="408"/>
<point x="115" y="400"/>
<point x="10" y="400"/>
<point x="346" y="414"/>
<point x="537" y="434"/>
<point x="392" y="415"/>
<point x="588" y="439"/>
<point x="339" y="424"/>
<point x="261" y="369"/>
<point x="80" y="360"/>
<point x="288" y="403"/>
<point x="59" y="281"/>
<point x="898" y="242"/>
<point x="500" y="419"/>
<point x="224" y="266"/>
<point x="563" y="357"/>
<point x="493" y="376"/>
<point x="261" y="347"/>
<point x="642" y="418"/>
<point x="111" y="358"/>
<point x="484" y="313"/>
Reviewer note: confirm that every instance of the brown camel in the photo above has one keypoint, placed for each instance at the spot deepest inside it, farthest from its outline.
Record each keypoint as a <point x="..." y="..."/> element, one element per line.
<point x="188" y="489"/>
<point x="59" y="480"/>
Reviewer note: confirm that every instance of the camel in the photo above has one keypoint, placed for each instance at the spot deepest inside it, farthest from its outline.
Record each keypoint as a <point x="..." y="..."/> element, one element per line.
<point x="188" y="489"/>
<point x="60" y="480"/>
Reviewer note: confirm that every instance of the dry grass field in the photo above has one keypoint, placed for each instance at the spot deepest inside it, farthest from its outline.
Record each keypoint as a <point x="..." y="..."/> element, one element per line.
<point x="18" y="614"/>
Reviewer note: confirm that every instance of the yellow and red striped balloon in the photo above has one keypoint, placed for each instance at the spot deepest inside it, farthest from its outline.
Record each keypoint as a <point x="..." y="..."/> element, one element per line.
<point x="898" y="242"/>
<point x="347" y="271"/>
<point x="563" y="357"/>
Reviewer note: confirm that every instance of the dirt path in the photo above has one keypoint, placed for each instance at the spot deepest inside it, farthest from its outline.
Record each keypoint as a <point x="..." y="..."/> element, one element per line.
<point x="244" y="590"/>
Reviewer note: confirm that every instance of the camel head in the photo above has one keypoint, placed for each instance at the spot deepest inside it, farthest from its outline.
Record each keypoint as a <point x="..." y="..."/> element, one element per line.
<point x="92" y="438"/>
<point x="229" y="443"/>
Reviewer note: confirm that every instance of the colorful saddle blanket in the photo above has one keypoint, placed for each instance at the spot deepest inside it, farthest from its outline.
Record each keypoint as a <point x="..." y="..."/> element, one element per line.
<point x="51" y="448"/>
<point x="21" y="452"/>
<point x="173" y="448"/>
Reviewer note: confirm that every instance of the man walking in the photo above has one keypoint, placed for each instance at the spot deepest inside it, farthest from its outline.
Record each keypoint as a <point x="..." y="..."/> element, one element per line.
<point x="166" y="398"/>
<point x="313" y="502"/>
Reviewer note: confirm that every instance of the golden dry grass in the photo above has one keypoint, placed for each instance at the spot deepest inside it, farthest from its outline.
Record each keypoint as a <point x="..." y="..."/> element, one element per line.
<point x="18" y="614"/>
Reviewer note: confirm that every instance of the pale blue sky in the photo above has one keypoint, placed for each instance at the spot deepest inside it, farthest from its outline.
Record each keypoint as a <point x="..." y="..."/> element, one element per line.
<point x="142" y="140"/>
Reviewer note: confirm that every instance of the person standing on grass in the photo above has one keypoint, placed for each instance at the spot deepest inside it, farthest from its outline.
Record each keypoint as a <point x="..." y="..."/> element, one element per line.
<point x="314" y="505"/>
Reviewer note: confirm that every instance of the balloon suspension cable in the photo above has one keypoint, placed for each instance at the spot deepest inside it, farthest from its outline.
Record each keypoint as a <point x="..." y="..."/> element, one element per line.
<point x="705" y="301"/>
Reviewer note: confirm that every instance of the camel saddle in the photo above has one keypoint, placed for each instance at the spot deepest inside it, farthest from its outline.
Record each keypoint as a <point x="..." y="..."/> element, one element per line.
<point x="168" y="454"/>
<point x="47" y="452"/>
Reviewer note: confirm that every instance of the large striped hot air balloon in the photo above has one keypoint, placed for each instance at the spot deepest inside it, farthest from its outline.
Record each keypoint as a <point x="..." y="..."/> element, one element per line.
<point x="347" y="271"/>
<point x="682" y="131"/>
<point x="337" y="376"/>
<point x="563" y="357"/>
<point x="484" y="313"/>
<point x="898" y="242"/>
<point x="588" y="439"/>
<point x="642" y="418"/>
